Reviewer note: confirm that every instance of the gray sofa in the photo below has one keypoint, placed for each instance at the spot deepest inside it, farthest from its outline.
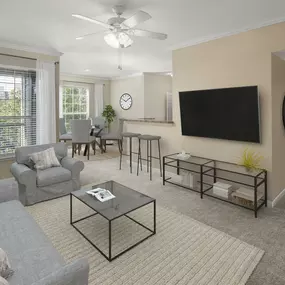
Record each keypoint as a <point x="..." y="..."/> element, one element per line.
<point x="37" y="186"/>
<point x="33" y="258"/>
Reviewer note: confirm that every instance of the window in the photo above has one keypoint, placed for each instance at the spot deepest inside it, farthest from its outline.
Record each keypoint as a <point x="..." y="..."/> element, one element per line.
<point x="17" y="109"/>
<point x="75" y="104"/>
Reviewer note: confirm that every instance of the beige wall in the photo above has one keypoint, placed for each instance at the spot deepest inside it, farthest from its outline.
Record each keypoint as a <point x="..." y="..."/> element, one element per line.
<point x="6" y="60"/>
<point x="278" y="133"/>
<point x="238" y="60"/>
<point x="135" y="87"/>
<point x="155" y="89"/>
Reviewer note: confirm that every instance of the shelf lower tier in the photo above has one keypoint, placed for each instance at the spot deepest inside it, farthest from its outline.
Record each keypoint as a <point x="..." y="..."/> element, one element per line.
<point x="208" y="191"/>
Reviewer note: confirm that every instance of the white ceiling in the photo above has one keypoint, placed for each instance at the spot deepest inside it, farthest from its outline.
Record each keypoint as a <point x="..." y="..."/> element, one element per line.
<point x="48" y="24"/>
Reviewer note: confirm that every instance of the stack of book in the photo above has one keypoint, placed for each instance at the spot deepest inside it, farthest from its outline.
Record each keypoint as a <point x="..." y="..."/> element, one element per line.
<point x="247" y="194"/>
<point x="222" y="189"/>
<point x="188" y="179"/>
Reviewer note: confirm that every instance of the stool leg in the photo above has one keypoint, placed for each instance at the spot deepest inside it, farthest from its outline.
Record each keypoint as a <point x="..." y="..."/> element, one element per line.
<point x="131" y="166"/>
<point x="147" y="156"/>
<point x="159" y="155"/>
<point x="139" y="157"/>
<point x="121" y="152"/>
<point x="150" y="161"/>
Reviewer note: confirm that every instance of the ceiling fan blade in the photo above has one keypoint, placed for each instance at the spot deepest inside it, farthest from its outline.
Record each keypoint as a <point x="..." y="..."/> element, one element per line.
<point x="81" y="17"/>
<point x="143" y="33"/>
<point x="88" y="35"/>
<point x="136" y="19"/>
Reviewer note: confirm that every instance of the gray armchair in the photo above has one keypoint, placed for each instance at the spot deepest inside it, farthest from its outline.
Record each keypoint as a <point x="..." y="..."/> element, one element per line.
<point x="37" y="186"/>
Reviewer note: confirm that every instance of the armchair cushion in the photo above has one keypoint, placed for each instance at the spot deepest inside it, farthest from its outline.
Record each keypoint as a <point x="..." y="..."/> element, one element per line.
<point x="45" y="159"/>
<point x="52" y="176"/>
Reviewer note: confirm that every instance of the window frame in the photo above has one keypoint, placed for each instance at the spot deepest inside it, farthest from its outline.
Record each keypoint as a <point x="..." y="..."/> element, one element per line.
<point x="62" y="104"/>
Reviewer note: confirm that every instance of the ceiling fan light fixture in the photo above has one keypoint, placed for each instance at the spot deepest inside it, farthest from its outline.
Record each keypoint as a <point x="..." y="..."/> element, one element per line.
<point x="119" y="40"/>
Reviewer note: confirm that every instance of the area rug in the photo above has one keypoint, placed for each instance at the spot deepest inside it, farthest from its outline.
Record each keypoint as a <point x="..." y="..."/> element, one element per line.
<point x="184" y="251"/>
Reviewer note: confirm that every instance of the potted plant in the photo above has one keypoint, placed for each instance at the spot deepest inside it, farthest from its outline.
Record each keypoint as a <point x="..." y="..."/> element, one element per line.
<point x="251" y="159"/>
<point x="109" y="115"/>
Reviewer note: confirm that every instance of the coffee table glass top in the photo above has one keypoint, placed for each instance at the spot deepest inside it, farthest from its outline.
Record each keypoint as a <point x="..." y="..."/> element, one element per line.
<point x="126" y="200"/>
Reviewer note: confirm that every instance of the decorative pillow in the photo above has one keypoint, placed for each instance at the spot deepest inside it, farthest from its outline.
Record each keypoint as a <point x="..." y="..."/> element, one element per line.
<point x="5" y="268"/>
<point x="45" y="159"/>
<point x="3" y="281"/>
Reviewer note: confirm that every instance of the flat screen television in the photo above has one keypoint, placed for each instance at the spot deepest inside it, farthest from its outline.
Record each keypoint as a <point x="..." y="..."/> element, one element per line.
<point x="228" y="113"/>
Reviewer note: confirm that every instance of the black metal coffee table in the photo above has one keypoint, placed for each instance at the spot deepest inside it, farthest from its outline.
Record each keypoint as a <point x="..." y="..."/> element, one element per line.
<point x="127" y="200"/>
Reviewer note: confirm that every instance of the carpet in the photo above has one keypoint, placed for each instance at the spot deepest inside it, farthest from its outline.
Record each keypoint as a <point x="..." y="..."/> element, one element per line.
<point x="184" y="251"/>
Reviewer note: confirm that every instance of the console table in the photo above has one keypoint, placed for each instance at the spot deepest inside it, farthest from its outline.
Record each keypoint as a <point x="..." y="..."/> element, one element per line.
<point x="209" y="171"/>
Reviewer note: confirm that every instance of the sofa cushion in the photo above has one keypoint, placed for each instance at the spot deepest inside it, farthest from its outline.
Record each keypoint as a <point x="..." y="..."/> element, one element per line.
<point x="30" y="252"/>
<point x="45" y="159"/>
<point x="5" y="267"/>
<point x="3" y="281"/>
<point x="52" y="175"/>
<point x="23" y="153"/>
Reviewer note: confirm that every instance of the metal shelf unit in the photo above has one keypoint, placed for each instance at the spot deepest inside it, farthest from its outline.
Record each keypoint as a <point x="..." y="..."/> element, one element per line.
<point x="210" y="171"/>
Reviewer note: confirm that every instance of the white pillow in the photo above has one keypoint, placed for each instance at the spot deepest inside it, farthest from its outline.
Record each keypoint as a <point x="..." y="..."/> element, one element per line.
<point x="5" y="268"/>
<point x="3" y="281"/>
<point x="45" y="159"/>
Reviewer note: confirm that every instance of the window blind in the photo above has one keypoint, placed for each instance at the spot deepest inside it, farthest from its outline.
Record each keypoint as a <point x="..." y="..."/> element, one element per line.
<point x="17" y="109"/>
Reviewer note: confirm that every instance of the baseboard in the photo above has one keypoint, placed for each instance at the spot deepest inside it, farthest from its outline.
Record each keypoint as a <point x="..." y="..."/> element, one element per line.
<point x="278" y="198"/>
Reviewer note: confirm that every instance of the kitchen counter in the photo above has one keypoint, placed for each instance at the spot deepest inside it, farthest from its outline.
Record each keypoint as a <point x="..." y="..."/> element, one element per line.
<point x="148" y="120"/>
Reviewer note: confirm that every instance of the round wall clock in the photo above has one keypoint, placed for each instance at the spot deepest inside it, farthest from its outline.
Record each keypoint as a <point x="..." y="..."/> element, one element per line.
<point x="126" y="101"/>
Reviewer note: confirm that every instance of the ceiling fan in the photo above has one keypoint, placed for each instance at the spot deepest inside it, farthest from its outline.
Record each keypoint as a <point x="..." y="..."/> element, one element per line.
<point x="121" y="29"/>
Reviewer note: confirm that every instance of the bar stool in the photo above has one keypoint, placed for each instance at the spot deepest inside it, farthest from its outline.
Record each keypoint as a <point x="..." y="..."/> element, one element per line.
<point x="129" y="136"/>
<point x="149" y="139"/>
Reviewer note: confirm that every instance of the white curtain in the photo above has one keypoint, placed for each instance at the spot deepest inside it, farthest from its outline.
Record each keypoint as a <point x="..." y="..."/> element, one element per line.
<point x="99" y="99"/>
<point x="46" y="113"/>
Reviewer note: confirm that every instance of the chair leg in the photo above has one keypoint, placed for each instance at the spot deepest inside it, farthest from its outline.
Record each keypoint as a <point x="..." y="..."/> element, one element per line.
<point x="121" y="152"/>
<point x="159" y="155"/>
<point x="79" y="148"/>
<point x="88" y="150"/>
<point x="72" y="150"/>
<point x="94" y="147"/>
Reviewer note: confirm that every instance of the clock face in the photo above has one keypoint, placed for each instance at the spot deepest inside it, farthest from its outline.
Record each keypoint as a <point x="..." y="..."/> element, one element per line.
<point x="126" y="101"/>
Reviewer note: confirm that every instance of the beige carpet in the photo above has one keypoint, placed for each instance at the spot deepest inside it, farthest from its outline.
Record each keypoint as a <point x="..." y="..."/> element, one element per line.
<point x="184" y="251"/>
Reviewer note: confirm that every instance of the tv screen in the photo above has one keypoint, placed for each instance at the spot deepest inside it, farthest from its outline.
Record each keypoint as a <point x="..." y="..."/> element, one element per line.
<point x="228" y="113"/>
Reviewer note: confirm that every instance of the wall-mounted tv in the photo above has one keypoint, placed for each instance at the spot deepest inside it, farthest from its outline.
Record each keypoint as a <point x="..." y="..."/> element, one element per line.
<point x="228" y="113"/>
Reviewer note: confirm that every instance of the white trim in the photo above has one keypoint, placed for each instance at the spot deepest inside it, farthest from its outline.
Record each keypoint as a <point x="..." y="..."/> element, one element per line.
<point x="277" y="198"/>
<point x="17" y="67"/>
<point x="95" y="79"/>
<point x="127" y="76"/>
<point x="39" y="50"/>
<point x="218" y="36"/>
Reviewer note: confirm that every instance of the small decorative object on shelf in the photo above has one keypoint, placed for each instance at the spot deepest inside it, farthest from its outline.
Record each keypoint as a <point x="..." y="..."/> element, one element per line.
<point x="229" y="182"/>
<point x="183" y="155"/>
<point x="251" y="160"/>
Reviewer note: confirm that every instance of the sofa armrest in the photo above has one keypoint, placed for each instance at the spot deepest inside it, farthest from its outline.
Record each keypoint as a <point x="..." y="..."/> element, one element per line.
<point x="23" y="174"/>
<point x="73" y="165"/>
<point x="75" y="273"/>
